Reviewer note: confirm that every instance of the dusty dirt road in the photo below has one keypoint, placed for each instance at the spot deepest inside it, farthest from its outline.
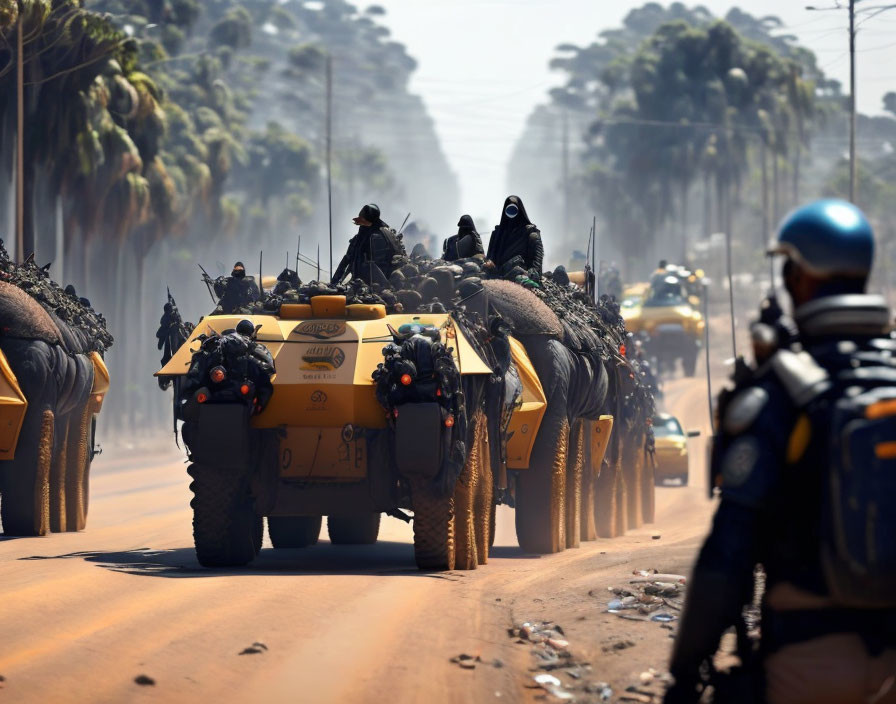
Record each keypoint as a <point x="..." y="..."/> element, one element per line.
<point x="84" y="614"/>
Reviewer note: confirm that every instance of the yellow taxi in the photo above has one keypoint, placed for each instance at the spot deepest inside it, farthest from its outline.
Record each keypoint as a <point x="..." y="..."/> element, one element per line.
<point x="671" y="449"/>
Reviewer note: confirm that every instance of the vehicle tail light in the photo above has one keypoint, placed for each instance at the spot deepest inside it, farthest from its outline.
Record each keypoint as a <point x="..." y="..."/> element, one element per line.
<point x="406" y="379"/>
<point x="395" y="413"/>
<point x="622" y="350"/>
<point x="218" y="374"/>
<point x="449" y="421"/>
<point x="201" y="397"/>
<point x="244" y="389"/>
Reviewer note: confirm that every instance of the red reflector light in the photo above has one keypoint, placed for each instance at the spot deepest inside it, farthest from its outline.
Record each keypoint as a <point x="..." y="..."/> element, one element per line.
<point x="406" y="379"/>
<point x="244" y="389"/>
<point x="622" y="350"/>
<point x="99" y="398"/>
<point x="218" y="374"/>
<point x="395" y="413"/>
<point x="438" y="392"/>
<point x="202" y="398"/>
<point x="449" y="422"/>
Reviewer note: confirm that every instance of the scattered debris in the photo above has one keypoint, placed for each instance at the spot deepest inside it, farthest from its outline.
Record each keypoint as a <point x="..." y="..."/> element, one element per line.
<point x="468" y="662"/>
<point x="618" y="646"/>
<point x="254" y="649"/>
<point x="601" y="689"/>
<point x="145" y="681"/>
<point x="648" y="595"/>
<point x="656" y="536"/>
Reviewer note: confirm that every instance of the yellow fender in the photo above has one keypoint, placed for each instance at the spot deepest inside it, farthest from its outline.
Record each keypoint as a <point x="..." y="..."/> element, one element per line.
<point x="13" y="406"/>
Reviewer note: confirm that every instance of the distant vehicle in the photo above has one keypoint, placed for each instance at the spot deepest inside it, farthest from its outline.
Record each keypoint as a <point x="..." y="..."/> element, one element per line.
<point x="671" y="323"/>
<point x="671" y="449"/>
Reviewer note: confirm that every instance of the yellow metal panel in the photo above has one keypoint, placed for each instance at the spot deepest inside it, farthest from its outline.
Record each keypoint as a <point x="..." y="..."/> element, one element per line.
<point x="12" y="410"/>
<point x="526" y="420"/>
<point x="322" y="454"/>
<point x="601" y="430"/>
<point x="100" y="374"/>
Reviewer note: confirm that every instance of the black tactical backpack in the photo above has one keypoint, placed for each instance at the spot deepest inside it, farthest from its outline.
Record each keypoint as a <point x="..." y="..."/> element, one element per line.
<point x="854" y="421"/>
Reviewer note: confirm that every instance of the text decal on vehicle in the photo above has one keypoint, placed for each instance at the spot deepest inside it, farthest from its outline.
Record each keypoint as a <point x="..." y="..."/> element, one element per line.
<point x="320" y="329"/>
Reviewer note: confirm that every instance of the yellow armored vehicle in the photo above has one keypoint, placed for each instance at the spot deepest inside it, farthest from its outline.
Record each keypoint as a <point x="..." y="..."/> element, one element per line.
<point x="318" y="400"/>
<point x="667" y="318"/>
<point x="320" y="436"/>
<point x="52" y="384"/>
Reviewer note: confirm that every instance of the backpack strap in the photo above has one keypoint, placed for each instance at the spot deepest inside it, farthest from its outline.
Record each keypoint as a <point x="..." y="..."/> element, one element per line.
<point x="802" y="377"/>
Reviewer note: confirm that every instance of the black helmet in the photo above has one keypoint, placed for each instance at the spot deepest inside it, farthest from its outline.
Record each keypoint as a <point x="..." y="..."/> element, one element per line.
<point x="370" y="212"/>
<point x="245" y="328"/>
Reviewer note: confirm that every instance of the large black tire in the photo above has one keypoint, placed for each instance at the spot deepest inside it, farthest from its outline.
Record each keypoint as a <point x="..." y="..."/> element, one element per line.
<point x="541" y="498"/>
<point x="295" y="531"/>
<point x="433" y="526"/>
<point x="25" y="505"/>
<point x="575" y="467"/>
<point x="483" y="500"/>
<point x="465" y="557"/>
<point x="58" y="513"/>
<point x="354" y="530"/>
<point x="77" y="473"/>
<point x="226" y="529"/>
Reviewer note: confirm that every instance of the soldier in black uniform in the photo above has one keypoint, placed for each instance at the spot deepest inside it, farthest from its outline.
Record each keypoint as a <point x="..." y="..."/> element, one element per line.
<point x="515" y="241"/>
<point x="466" y="244"/>
<point x="806" y="462"/>
<point x="372" y="251"/>
<point x="235" y="291"/>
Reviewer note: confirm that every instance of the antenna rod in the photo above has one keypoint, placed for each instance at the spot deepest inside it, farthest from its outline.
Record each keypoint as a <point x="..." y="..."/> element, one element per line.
<point x="401" y="229"/>
<point x="318" y="261"/>
<point x="329" y="157"/>
<point x="594" y="258"/>
<point x="298" y="249"/>
<point x="260" y="273"/>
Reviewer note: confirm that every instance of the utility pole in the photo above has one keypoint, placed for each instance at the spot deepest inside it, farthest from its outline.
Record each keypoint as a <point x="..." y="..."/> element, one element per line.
<point x="20" y="142"/>
<point x="329" y="157"/>
<point x="852" y="101"/>
<point x="870" y="12"/>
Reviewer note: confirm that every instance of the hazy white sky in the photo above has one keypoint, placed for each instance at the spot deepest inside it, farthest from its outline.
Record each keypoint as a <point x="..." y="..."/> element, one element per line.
<point x="483" y="67"/>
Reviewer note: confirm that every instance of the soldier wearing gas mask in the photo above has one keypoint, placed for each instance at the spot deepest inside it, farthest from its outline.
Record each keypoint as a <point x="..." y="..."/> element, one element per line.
<point x="515" y="242"/>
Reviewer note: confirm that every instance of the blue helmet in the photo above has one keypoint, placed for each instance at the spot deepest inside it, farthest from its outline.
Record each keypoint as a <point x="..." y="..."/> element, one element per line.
<point x="829" y="238"/>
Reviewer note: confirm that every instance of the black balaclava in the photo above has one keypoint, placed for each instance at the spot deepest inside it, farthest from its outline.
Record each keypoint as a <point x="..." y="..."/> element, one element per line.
<point x="239" y="270"/>
<point x="465" y="225"/>
<point x="522" y="218"/>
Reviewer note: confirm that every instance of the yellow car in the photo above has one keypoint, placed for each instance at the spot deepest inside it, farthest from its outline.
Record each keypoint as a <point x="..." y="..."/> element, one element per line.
<point x="671" y="449"/>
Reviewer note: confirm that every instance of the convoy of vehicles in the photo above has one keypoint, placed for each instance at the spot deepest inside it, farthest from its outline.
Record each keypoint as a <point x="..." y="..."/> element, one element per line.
<point x="369" y="413"/>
